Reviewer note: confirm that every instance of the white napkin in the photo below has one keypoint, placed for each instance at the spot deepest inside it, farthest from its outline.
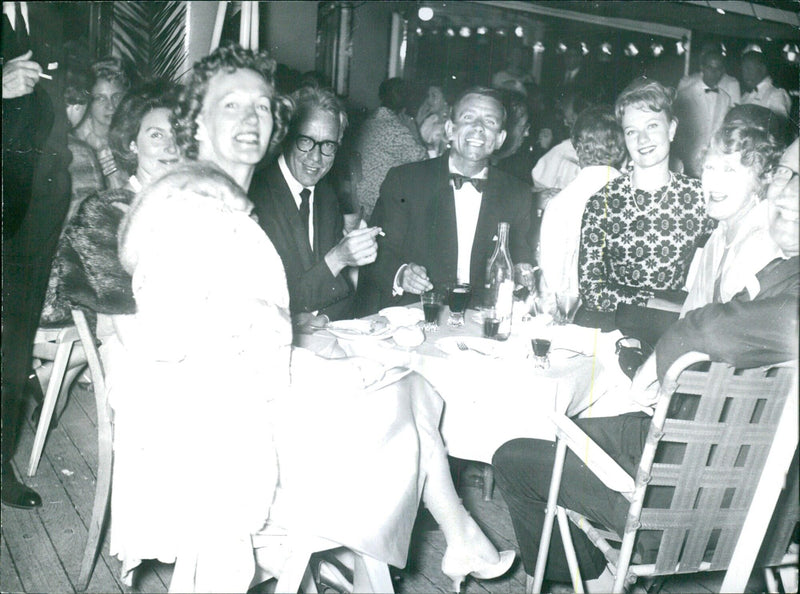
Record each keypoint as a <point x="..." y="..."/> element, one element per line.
<point x="402" y="316"/>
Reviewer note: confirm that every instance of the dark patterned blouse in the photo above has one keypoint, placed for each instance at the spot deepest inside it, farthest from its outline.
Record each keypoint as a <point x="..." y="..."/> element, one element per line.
<point x="634" y="243"/>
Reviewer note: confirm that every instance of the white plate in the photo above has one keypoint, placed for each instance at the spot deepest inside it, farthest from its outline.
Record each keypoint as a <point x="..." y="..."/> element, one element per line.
<point x="358" y="329"/>
<point x="402" y="316"/>
<point x="478" y="347"/>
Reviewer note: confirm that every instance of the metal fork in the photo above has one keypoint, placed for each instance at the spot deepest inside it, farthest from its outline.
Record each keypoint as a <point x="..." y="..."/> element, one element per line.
<point x="463" y="347"/>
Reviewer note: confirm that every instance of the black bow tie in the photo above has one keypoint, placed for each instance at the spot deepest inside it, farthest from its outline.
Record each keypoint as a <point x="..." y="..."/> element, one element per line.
<point x="712" y="90"/>
<point x="477" y="182"/>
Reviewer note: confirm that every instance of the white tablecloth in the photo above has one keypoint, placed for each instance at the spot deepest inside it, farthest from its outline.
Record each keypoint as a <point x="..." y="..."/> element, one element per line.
<point x="489" y="401"/>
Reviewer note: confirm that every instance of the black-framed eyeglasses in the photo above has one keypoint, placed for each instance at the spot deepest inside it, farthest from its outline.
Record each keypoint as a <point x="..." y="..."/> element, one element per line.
<point x="783" y="174"/>
<point x="328" y="148"/>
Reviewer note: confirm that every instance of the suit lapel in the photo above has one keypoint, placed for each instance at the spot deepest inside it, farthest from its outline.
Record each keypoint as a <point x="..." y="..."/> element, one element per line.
<point x="443" y="232"/>
<point x="289" y="215"/>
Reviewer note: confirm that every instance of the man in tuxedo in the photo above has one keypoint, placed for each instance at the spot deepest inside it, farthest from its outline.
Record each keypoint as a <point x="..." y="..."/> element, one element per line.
<point x="299" y="210"/>
<point x="700" y="106"/>
<point x="36" y="188"/>
<point x="440" y="216"/>
<point x="757" y="327"/>
<point x="759" y="85"/>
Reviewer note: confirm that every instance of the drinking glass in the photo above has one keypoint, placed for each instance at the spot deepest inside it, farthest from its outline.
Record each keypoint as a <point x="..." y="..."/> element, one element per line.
<point x="567" y="305"/>
<point x="543" y="301"/>
<point x="491" y="323"/>
<point x="541" y="347"/>
<point x="458" y="298"/>
<point x="432" y="303"/>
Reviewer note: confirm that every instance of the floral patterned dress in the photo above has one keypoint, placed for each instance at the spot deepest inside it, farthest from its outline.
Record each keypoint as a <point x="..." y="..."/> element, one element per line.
<point x="634" y="242"/>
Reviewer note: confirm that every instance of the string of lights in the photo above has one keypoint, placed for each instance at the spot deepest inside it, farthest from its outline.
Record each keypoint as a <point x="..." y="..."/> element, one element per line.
<point x="433" y="24"/>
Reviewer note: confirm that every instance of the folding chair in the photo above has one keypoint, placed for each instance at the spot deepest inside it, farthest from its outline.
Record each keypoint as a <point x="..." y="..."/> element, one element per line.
<point x="55" y="347"/>
<point x="737" y="447"/>
<point x="105" y="451"/>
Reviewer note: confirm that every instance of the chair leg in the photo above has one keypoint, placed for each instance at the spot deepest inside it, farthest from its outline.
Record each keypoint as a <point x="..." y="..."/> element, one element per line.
<point x="293" y="572"/>
<point x="488" y="482"/>
<point x="550" y="514"/>
<point x="49" y="404"/>
<point x="370" y="575"/>
<point x="569" y="550"/>
<point x="789" y="577"/>
<point x="102" y="496"/>
<point x="772" y="583"/>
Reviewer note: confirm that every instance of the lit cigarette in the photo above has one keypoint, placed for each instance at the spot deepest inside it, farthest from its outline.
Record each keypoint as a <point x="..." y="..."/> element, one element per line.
<point x="47" y="76"/>
<point x="381" y="233"/>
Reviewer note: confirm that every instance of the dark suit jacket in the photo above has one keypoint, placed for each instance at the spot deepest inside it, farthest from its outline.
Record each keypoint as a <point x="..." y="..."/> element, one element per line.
<point x="311" y="285"/>
<point x="35" y="127"/>
<point x="416" y="210"/>
<point x="36" y="192"/>
<point x="742" y="332"/>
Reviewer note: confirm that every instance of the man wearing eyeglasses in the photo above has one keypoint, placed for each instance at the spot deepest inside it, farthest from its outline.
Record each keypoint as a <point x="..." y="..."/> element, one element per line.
<point x="299" y="210"/>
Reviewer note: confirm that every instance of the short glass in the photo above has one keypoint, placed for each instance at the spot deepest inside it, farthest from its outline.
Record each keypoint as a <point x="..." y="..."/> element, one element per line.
<point x="458" y="298"/>
<point x="432" y="304"/>
<point x="541" y="348"/>
<point x="490" y="321"/>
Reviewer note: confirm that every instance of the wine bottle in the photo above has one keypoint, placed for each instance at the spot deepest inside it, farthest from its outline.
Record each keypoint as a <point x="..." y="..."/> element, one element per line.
<point x="500" y="282"/>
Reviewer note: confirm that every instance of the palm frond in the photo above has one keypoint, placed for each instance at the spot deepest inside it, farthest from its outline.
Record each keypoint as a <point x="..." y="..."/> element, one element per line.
<point x="150" y="37"/>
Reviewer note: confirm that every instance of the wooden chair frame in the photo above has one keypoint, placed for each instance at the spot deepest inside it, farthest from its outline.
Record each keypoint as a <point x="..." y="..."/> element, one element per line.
<point x="61" y="377"/>
<point x="745" y="427"/>
<point x="105" y="451"/>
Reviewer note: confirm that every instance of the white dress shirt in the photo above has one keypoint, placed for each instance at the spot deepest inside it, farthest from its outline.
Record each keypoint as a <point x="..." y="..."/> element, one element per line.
<point x="8" y="10"/>
<point x="768" y="95"/>
<point x="295" y="187"/>
<point x="468" y="207"/>
<point x="700" y="115"/>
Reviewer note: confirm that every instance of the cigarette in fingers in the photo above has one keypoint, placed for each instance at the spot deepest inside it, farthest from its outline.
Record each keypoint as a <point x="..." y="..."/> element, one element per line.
<point x="47" y="76"/>
<point x="381" y="233"/>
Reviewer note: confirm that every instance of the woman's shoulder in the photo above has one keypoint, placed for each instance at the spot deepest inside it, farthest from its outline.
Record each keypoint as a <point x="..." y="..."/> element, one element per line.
<point x="681" y="181"/>
<point x="619" y="186"/>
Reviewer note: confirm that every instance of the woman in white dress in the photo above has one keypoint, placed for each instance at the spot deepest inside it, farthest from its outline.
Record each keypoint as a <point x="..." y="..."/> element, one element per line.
<point x="208" y="386"/>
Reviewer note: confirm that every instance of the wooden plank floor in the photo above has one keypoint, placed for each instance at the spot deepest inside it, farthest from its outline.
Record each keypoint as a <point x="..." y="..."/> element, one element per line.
<point x="40" y="551"/>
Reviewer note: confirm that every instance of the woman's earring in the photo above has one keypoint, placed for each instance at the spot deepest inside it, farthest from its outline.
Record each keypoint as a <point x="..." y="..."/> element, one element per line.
<point x="134" y="148"/>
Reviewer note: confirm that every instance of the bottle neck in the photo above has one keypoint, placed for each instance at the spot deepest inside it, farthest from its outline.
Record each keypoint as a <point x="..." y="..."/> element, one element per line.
<point x="502" y="237"/>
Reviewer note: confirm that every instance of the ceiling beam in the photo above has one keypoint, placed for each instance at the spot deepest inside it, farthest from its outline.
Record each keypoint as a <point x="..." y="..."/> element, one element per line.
<point x="751" y="9"/>
<point x="627" y="24"/>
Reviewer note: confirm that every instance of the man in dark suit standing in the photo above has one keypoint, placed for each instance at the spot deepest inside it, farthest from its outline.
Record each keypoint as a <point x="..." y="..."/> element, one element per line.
<point x="299" y="210"/>
<point x="36" y="188"/>
<point x="440" y="216"/>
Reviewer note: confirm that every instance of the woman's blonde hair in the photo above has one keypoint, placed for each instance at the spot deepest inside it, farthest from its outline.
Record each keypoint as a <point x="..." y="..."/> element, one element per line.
<point x="648" y="94"/>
